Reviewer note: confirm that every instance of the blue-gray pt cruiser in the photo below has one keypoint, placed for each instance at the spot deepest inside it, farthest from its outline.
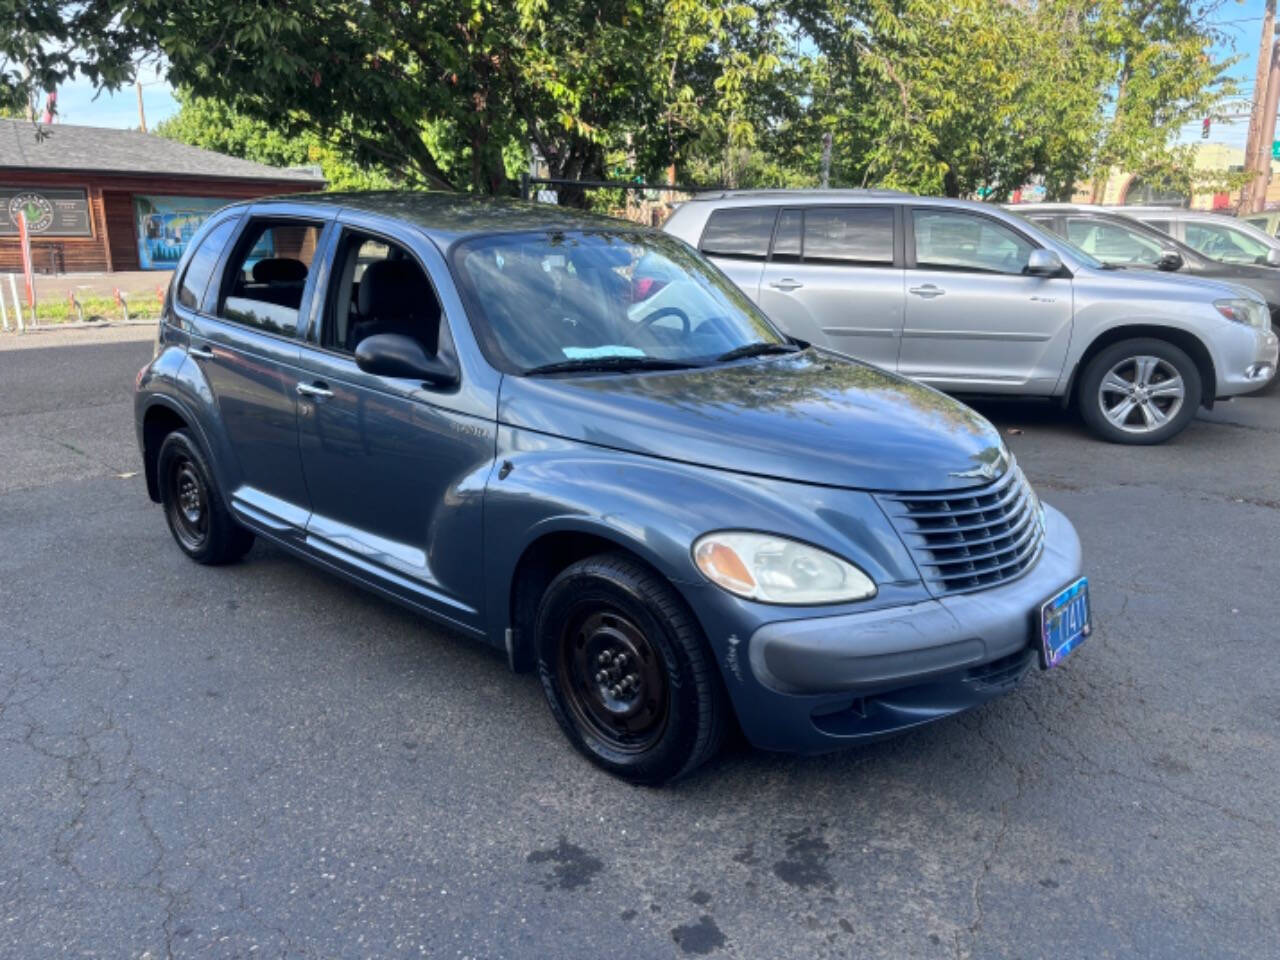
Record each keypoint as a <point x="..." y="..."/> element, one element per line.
<point x="576" y="440"/>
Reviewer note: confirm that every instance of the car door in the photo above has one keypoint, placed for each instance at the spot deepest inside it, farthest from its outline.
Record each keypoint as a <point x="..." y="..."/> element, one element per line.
<point x="245" y="343"/>
<point x="395" y="468"/>
<point x="834" y="277"/>
<point x="974" y="319"/>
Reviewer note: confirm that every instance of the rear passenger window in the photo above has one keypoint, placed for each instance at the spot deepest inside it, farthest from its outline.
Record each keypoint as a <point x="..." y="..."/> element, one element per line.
<point x="202" y="263"/>
<point x="786" y="241"/>
<point x="849" y="234"/>
<point x="267" y="274"/>
<point x="739" y="232"/>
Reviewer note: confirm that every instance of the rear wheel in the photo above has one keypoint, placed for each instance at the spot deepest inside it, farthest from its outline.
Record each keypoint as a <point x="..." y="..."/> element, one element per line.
<point x="1139" y="391"/>
<point x="626" y="671"/>
<point x="199" y="521"/>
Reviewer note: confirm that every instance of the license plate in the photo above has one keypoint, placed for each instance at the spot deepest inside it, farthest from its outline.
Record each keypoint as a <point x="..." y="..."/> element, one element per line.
<point x="1064" y="623"/>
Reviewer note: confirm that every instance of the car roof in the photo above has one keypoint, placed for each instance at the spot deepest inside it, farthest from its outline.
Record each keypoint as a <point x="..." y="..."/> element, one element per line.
<point x="810" y="197"/>
<point x="447" y="217"/>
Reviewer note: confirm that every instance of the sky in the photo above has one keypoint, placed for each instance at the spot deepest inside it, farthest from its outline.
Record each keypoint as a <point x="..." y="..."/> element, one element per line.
<point x="1239" y="20"/>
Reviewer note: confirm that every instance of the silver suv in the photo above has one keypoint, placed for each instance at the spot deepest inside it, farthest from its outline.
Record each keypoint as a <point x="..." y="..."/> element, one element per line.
<point x="973" y="299"/>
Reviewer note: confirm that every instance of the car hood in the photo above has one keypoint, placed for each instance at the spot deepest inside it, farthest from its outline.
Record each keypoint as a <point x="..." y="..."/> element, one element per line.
<point x="813" y="417"/>
<point x="1175" y="285"/>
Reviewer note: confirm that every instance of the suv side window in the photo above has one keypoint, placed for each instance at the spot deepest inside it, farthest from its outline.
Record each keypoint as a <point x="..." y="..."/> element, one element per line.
<point x="378" y="287"/>
<point x="739" y="232"/>
<point x="952" y="240"/>
<point x="195" y="278"/>
<point x="849" y="234"/>
<point x="267" y="274"/>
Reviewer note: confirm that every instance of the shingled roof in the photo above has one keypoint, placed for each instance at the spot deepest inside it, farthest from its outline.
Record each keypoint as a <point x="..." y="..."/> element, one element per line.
<point x="66" y="147"/>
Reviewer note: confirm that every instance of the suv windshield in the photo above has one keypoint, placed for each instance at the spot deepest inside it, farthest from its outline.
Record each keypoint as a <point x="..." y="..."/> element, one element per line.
<point x="603" y="298"/>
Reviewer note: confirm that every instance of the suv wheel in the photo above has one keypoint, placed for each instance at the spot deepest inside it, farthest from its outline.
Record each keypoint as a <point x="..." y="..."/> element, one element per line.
<point x="1139" y="391"/>
<point x="198" y="520"/>
<point x="627" y="672"/>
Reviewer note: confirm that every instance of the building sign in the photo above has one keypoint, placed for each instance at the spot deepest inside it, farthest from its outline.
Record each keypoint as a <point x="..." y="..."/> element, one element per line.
<point x="50" y="212"/>
<point x="166" y="225"/>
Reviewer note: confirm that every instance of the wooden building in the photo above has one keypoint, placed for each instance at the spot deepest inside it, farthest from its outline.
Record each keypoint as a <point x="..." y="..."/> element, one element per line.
<point x="100" y="199"/>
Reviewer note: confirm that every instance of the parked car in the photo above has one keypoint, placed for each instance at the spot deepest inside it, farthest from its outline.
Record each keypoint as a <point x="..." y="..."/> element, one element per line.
<point x="675" y="514"/>
<point x="973" y="299"/>
<point x="1216" y="235"/>
<point x="1121" y="241"/>
<point x="1268" y="222"/>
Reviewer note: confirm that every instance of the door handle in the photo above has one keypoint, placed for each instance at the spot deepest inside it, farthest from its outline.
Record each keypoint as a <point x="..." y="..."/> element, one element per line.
<point x="203" y="353"/>
<point x="786" y="284"/>
<point x="928" y="291"/>
<point x="317" y="390"/>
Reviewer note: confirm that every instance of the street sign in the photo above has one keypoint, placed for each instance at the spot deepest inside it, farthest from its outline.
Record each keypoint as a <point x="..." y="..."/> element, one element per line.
<point x="1275" y="149"/>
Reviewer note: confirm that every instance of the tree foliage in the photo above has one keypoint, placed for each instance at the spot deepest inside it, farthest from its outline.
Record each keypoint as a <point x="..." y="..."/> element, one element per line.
<point x="941" y="96"/>
<point x="213" y="125"/>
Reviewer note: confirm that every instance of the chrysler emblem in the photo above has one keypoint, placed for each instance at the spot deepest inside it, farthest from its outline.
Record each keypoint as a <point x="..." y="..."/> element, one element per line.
<point x="984" y="470"/>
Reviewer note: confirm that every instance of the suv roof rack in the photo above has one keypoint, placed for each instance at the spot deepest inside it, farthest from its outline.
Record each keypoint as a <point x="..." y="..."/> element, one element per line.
<point x="721" y="194"/>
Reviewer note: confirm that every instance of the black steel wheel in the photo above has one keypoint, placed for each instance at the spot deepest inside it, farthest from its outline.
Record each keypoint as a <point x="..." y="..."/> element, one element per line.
<point x="199" y="521"/>
<point x="627" y="672"/>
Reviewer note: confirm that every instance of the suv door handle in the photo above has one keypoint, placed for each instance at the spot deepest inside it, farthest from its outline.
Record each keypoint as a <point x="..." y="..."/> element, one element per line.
<point x="928" y="291"/>
<point x="786" y="283"/>
<point x="204" y="353"/>
<point x="319" y="390"/>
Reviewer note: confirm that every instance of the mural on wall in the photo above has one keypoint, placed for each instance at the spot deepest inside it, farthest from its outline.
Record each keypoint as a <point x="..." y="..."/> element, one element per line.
<point x="166" y="225"/>
<point x="50" y="212"/>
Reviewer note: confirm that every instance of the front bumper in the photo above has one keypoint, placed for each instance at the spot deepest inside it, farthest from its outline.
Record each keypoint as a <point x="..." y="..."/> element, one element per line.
<point x="856" y="676"/>
<point x="1250" y="363"/>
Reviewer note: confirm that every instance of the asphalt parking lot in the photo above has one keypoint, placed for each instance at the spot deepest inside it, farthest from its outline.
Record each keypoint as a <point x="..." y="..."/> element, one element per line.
<point x="260" y="760"/>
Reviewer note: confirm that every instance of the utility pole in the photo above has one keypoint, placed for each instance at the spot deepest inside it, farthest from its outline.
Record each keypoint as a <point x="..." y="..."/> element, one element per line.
<point x="826" y="160"/>
<point x="1257" y="154"/>
<point x="142" y="115"/>
<point x="1267" y="135"/>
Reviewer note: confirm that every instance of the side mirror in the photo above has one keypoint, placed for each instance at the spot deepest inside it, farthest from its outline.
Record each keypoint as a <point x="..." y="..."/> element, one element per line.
<point x="1044" y="263"/>
<point x="1272" y="259"/>
<point x="1169" y="260"/>
<point x="395" y="355"/>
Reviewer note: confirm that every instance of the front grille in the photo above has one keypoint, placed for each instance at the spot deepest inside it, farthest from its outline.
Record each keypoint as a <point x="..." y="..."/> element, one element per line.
<point x="1002" y="674"/>
<point x="969" y="539"/>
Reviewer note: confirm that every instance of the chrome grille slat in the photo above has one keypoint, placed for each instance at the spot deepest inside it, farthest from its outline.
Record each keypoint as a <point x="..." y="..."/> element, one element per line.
<point x="943" y="537"/>
<point x="968" y="539"/>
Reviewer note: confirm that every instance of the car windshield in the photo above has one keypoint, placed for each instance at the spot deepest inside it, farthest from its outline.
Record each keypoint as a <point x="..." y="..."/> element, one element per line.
<point x="615" y="299"/>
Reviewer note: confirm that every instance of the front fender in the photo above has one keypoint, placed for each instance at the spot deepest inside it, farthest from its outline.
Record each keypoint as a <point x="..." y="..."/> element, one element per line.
<point x="657" y="508"/>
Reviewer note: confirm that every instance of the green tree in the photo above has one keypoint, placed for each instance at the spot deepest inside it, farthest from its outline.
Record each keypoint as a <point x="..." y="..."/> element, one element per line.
<point x="207" y="123"/>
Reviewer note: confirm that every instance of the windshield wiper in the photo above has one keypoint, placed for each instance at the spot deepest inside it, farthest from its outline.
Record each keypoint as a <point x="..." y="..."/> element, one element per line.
<point x="758" y="349"/>
<point x="609" y="364"/>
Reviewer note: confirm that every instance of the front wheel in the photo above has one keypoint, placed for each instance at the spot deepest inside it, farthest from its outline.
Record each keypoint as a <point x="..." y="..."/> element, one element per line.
<point x="626" y="670"/>
<point x="1139" y="391"/>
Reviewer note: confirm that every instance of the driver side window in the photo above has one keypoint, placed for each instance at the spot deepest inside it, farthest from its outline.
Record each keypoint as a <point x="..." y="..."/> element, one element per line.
<point x="378" y="287"/>
<point x="948" y="240"/>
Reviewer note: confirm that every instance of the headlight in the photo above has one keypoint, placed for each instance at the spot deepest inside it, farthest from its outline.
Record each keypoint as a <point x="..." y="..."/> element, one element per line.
<point x="772" y="569"/>
<point x="1250" y="312"/>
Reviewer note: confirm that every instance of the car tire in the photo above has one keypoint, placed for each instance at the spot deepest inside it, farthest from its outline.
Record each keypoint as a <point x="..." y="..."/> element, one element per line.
<point x="627" y="672"/>
<point x="193" y="507"/>
<point x="1139" y="391"/>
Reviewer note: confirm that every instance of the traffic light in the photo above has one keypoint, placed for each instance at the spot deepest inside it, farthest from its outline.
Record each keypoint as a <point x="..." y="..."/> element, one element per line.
<point x="1204" y="129"/>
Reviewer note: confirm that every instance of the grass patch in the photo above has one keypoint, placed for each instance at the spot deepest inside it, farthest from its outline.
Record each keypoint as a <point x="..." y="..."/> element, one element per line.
<point x="51" y="311"/>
